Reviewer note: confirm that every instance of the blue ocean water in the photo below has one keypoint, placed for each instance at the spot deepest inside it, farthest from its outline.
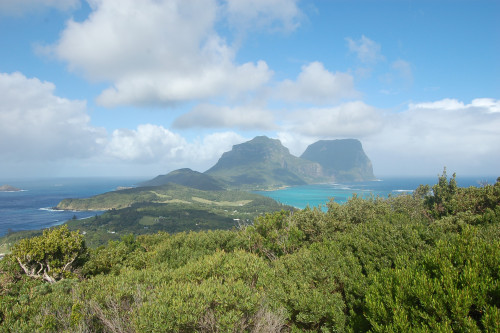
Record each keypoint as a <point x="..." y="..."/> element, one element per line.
<point x="32" y="207"/>
<point x="319" y="194"/>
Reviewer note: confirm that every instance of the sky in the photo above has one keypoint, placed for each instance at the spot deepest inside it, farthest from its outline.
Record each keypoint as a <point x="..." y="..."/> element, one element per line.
<point x="141" y="88"/>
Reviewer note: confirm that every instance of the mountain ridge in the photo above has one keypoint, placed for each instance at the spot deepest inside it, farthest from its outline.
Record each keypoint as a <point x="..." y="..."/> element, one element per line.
<point x="263" y="162"/>
<point x="266" y="162"/>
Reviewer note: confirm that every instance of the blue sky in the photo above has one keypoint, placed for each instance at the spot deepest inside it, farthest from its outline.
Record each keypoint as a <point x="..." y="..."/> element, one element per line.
<point x="140" y="88"/>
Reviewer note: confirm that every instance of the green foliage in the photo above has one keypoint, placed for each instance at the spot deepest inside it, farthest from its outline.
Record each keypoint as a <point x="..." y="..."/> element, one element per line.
<point x="274" y="235"/>
<point x="220" y="292"/>
<point x="51" y="257"/>
<point x="455" y="287"/>
<point x="412" y="263"/>
<point x="318" y="287"/>
<point x="110" y="259"/>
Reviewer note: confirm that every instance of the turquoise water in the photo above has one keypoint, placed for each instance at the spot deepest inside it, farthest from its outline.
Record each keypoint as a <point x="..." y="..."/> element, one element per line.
<point x="320" y="194"/>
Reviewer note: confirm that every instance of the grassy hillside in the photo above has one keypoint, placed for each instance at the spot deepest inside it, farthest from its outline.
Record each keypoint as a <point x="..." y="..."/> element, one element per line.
<point x="166" y="194"/>
<point x="427" y="262"/>
<point x="170" y="208"/>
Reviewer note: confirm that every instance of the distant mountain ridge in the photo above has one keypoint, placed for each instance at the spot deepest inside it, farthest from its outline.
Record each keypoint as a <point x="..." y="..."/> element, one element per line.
<point x="266" y="162"/>
<point x="342" y="160"/>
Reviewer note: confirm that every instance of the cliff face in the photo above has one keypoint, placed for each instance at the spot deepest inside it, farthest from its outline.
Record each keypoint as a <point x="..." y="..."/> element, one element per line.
<point x="341" y="160"/>
<point x="264" y="161"/>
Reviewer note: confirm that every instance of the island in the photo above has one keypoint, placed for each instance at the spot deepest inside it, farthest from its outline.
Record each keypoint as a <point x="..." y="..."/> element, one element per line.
<point x="9" y="188"/>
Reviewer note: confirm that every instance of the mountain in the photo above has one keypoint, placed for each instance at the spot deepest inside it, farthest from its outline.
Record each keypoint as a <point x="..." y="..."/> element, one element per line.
<point x="341" y="160"/>
<point x="189" y="178"/>
<point x="264" y="162"/>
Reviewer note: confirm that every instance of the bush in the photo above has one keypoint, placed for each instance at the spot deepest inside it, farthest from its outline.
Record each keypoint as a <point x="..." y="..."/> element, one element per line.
<point x="51" y="257"/>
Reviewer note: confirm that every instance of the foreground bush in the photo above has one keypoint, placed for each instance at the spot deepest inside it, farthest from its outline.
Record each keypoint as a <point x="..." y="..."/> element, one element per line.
<point x="427" y="262"/>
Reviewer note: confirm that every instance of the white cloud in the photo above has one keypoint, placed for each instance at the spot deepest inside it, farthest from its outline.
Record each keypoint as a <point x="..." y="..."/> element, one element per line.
<point x="428" y="136"/>
<point x="152" y="144"/>
<point x="157" y="51"/>
<point x="213" y="116"/>
<point x="203" y="153"/>
<point x="420" y="140"/>
<point x="146" y="144"/>
<point x="296" y="142"/>
<point x="353" y="119"/>
<point x="315" y="84"/>
<point x="18" y="7"/>
<point x="268" y="14"/>
<point x="365" y="49"/>
<point x="37" y="125"/>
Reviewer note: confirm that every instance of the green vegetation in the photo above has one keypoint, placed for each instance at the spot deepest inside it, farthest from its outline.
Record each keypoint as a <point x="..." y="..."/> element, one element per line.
<point x="169" y="193"/>
<point x="51" y="256"/>
<point x="189" y="178"/>
<point x="426" y="262"/>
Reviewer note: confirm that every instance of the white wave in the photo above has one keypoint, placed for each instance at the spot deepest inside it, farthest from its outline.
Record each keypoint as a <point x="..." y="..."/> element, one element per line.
<point x="51" y="209"/>
<point x="402" y="191"/>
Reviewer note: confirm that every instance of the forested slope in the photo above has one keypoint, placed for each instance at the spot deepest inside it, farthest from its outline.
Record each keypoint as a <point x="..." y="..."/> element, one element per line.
<point x="426" y="262"/>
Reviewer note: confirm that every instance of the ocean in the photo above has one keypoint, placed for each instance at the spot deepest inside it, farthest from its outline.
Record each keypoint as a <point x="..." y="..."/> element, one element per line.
<point x="319" y="194"/>
<point x="32" y="207"/>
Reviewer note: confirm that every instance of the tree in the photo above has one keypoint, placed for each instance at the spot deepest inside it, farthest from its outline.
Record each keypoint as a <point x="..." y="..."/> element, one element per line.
<point x="52" y="256"/>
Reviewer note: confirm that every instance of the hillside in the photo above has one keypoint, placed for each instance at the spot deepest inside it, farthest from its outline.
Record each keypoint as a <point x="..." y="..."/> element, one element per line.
<point x="264" y="162"/>
<point x="426" y="262"/>
<point x="189" y="178"/>
<point x="165" y="194"/>
<point x="341" y="160"/>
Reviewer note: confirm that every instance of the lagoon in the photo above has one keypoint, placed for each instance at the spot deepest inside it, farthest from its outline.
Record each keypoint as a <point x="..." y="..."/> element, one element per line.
<point x="319" y="194"/>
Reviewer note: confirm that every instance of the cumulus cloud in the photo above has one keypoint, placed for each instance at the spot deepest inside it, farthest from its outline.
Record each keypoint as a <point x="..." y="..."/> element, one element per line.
<point x="164" y="52"/>
<point x="214" y="116"/>
<point x="36" y="124"/>
<point x="153" y="144"/>
<point x="366" y="50"/>
<point x="39" y="130"/>
<point x="352" y="119"/>
<point x="145" y="144"/>
<point x="315" y="84"/>
<point x="427" y="136"/>
<point x="18" y="7"/>
<point x="419" y="140"/>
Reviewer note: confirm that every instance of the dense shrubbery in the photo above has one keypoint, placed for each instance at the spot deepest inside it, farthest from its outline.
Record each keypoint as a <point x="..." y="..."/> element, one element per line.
<point x="423" y="262"/>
